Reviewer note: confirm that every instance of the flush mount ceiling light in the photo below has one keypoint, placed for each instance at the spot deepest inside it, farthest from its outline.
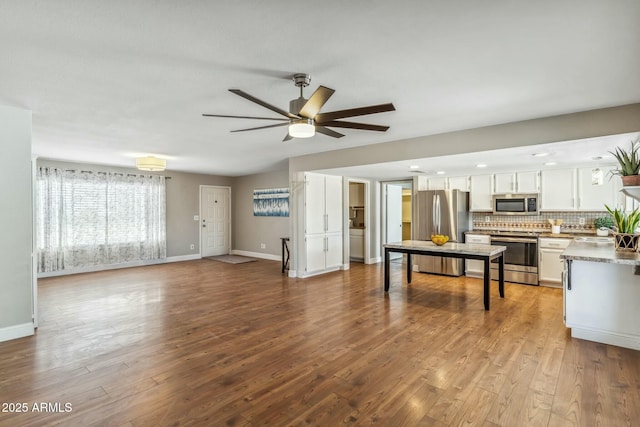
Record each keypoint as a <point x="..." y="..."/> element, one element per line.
<point x="414" y="167"/>
<point x="550" y="164"/>
<point x="151" y="163"/>
<point x="302" y="129"/>
<point x="540" y="154"/>
<point x="481" y="165"/>
<point x="440" y="173"/>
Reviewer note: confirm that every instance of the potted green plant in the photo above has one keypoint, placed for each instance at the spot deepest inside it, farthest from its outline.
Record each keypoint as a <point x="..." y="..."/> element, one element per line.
<point x="603" y="224"/>
<point x="625" y="225"/>
<point x="628" y="164"/>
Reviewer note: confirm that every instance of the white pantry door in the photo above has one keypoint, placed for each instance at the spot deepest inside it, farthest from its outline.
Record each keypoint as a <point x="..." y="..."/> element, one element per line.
<point x="394" y="217"/>
<point x="215" y="220"/>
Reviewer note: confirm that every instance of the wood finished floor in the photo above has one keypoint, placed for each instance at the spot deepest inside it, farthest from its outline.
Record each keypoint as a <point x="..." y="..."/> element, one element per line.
<point x="208" y="343"/>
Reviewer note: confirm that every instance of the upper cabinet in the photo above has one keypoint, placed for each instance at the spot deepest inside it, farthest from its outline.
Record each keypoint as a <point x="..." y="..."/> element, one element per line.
<point x="459" y="183"/>
<point x="437" y="183"/>
<point x="480" y="193"/>
<point x="518" y="182"/>
<point x="595" y="189"/>
<point x="558" y="190"/>
<point x="356" y="194"/>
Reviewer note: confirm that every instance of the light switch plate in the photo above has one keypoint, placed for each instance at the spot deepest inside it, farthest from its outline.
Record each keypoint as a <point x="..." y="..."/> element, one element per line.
<point x="196" y="218"/>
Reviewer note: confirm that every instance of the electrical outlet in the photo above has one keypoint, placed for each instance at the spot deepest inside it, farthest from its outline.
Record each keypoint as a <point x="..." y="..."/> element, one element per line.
<point x="263" y="246"/>
<point x="581" y="221"/>
<point x="487" y="219"/>
<point x="192" y="247"/>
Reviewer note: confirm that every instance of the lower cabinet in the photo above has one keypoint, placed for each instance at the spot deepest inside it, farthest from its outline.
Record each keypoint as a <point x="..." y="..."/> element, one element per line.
<point x="475" y="268"/>
<point x="549" y="263"/>
<point x="324" y="252"/>
<point x="356" y="244"/>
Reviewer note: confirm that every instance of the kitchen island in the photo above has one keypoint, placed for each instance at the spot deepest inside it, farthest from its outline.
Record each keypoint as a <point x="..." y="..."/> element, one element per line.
<point x="602" y="293"/>
<point x="485" y="253"/>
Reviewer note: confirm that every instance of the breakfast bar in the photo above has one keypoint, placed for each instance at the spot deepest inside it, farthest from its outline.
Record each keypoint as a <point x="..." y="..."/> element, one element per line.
<point x="486" y="253"/>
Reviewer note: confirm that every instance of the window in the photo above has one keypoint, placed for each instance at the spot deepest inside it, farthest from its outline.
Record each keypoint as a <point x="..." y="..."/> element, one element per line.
<point x="98" y="218"/>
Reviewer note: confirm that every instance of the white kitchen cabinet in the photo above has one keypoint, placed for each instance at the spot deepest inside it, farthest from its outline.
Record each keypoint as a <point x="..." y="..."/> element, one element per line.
<point x="549" y="263"/>
<point x="459" y="183"/>
<point x="356" y="243"/>
<point x="594" y="193"/>
<point x="473" y="267"/>
<point x="517" y="182"/>
<point x="437" y="183"/>
<point x="558" y="190"/>
<point x="528" y="182"/>
<point x="504" y="183"/>
<point x="480" y="193"/>
<point x="323" y="222"/>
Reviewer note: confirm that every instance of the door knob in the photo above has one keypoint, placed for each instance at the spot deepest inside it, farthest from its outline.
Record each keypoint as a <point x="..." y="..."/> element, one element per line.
<point x="204" y="225"/>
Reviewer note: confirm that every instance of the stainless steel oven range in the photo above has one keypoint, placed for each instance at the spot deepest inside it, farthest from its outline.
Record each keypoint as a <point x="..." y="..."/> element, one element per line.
<point x="520" y="258"/>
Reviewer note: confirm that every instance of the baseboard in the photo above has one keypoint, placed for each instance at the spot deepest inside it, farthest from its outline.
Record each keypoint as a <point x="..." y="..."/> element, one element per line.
<point x="16" y="331"/>
<point x="181" y="258"/>
<point x="292" y="273"/>
<point x="374" y="260"/>
<point x="620" y="340"/>
<point x="256" y="255"/>
<point x="96" y="268"/>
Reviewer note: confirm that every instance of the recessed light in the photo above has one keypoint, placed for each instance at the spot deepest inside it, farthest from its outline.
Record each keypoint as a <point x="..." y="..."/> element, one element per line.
<point x="597" y="158"/>
<point x="481" y="165"/>
<point x="540" y="154"/>
<point x="414" y="167"/>
<point x="440" y="172"/>
<point x="550" y="164"/>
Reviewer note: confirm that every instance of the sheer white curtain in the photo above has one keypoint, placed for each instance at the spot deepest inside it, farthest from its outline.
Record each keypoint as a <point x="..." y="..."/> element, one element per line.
<point x="87" y="219"/>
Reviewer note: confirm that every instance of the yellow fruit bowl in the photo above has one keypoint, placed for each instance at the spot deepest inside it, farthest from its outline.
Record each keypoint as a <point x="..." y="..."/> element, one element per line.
<point x="439" y="239"/>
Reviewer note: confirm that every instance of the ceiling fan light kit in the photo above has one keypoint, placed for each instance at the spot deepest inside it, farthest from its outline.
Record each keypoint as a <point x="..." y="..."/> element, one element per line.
<point x="304" y="118"/>
<point x="151" y="164"/>
<point x="302" y="128"/>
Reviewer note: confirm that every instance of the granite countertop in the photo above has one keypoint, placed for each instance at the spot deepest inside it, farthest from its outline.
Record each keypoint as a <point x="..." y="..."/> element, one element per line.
<point x="599" y="252"/>
<point x="532" y="233"/>
<point x="449" y="247"/>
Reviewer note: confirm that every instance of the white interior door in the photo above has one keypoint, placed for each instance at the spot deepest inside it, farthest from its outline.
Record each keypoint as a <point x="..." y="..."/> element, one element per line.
<point x="215" y="220"/>
<point x="394" y="216"/>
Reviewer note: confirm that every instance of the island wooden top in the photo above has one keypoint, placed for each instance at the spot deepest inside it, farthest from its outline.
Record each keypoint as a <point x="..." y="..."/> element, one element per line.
<point x="448" y="248"/>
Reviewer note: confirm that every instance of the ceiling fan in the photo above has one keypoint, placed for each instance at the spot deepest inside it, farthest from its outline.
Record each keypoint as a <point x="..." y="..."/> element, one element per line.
<point x="304" y="118"/>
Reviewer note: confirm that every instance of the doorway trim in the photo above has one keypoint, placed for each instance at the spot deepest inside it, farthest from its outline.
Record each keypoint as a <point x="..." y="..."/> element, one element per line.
<point x="383" y="205"/>
<point x="229" y="234"/>
<point x="367" y="220"/>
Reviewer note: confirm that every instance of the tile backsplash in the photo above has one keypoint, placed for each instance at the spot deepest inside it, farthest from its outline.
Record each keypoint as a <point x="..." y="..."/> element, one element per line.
<point x="571" y="221"/>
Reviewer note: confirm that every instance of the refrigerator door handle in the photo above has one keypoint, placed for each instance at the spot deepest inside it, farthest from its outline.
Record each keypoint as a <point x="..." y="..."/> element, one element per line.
<point x="434" y="221"/>
<point x="438" y="217"/>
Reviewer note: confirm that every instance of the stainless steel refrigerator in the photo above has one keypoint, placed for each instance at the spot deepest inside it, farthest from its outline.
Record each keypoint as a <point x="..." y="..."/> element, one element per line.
<point x="442" y="212"/>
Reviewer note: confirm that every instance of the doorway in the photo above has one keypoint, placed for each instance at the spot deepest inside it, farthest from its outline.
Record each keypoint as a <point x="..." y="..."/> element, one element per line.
<point x="396" y="211"/>
<point x="358" y="214"/>
<point x="215" y="220"/>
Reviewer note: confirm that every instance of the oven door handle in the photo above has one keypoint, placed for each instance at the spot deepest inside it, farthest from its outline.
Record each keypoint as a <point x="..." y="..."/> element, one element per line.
<point x="513" y="240"/>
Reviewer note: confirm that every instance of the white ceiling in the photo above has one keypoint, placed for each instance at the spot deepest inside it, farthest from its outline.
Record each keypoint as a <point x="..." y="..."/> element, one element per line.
<point x="110" y="81"/>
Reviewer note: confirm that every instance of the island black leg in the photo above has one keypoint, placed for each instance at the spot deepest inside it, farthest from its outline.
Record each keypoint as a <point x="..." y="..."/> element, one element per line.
<point x="409" y="268"/>
<point x="501" y="274"/>
<point x="386" y="269"/>
<point x="487" y="279"/>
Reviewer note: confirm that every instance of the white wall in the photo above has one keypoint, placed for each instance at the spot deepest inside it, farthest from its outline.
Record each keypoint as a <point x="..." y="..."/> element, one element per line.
<point x="16" y="218"/>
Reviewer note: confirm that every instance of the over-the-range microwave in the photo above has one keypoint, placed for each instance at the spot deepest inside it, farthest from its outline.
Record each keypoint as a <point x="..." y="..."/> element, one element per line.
<point x="515" y="204"/>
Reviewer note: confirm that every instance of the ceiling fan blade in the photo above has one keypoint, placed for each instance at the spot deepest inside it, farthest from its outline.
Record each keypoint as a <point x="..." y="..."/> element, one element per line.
<point x="261" y="127"/>
<point x="264" y="104"/>
<point x="362" y="111"/>
<point x="353" y="125"/>
<point x="328" y="132"/>
<point x="287" y="138"/>
<point x="245" y="117"/>
<point x="315" y="102"/>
